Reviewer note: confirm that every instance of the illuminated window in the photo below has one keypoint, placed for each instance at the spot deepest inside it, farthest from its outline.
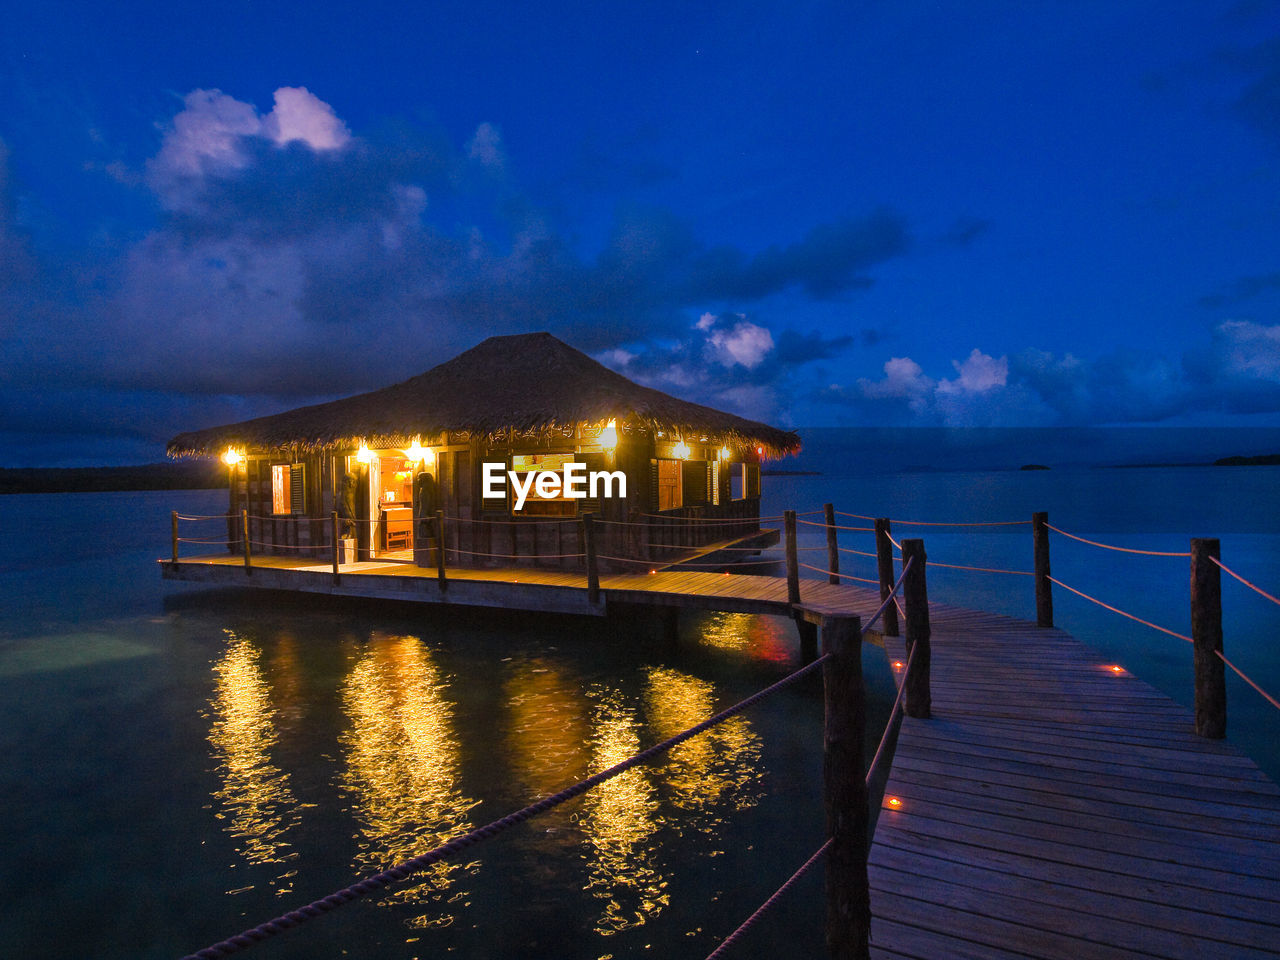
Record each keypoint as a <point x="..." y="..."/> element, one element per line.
<point x="535" y="505"/>
<point x="287" y="488"/>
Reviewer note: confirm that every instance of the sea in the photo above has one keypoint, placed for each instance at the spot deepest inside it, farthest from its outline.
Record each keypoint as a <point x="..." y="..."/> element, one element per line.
<point x="181" y="763"/>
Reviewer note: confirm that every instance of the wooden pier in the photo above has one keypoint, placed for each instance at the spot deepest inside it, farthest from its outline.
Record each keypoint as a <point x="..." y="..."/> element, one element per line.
<point x="1053" y="806"/>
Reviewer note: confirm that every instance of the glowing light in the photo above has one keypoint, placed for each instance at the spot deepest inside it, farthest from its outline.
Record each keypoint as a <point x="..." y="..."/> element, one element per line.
<point x="1116" y="669"/>
<point x="681" y="451"/>
<point x="653" y="571"/>
<point x="364" y="455"/>
<point x="726" y="453"/>
<point x="894" y="802"/>
<point x="897" y="664"/>
<point x="609" y="435"/>
<point x="232" y="457"/>
<point x="416" y="451"/>
<point x="760" y="451"/>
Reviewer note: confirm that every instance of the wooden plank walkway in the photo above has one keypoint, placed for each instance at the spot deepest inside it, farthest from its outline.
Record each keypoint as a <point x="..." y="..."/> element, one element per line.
<point x="1052" y="808"/>
<point x="526" y="588"/>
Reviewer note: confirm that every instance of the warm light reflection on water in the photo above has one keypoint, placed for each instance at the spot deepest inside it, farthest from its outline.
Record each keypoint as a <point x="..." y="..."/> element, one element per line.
<point x="255" y="793"/>
<point x="764" y="638"/>
<point x="620" y="817"/>
<point x="548" y="733"/>
<point x="402" y="765"/>
<point x="721" y="764"/>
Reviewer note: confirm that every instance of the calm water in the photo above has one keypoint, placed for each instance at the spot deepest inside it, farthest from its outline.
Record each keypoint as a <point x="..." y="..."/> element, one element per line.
<point x="183" y="763"/>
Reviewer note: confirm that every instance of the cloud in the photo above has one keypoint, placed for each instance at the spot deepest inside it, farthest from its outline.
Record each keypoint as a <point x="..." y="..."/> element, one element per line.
<point x="1243" y="289"/>
<point x="291" y="257"/>
<point x="1236" y="372"/>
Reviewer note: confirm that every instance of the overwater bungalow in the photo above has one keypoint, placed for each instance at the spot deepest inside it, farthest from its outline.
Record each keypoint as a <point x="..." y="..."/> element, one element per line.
<point x="468" y="438"/>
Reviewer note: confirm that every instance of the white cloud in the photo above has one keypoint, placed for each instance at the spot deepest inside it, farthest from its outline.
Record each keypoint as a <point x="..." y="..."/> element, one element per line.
<point x="979" y="373"/>
<point x="300" y="115"/>
<point x="903" y="379"/>
<point x="485" y="147"/>
<point x="1248" y="349"/>
<point x="744" y="343"/>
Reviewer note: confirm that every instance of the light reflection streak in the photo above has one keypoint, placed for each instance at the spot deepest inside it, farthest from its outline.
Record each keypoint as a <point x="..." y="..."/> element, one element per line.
<point x="402" y="769"/>
<point x="711" y="773"/>
<point x="620" y="817"/>
<point x="255" y="793"/>
<point x="763" y="638"/>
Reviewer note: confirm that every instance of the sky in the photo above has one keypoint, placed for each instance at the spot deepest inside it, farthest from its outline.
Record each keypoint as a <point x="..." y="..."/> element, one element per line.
<point x="943" y="214"/>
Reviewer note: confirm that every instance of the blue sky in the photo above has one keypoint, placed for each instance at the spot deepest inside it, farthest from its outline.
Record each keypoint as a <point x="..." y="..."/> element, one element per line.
<point x="934" y="214"/>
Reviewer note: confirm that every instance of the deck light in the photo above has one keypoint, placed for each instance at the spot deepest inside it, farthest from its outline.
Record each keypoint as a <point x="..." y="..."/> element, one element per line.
<point x="609" y="435"/>
<point x="897" y="664"/>
<point x="894" y="802"/>
<point x="681" y="451"/>
<point x="363" y="454"/>
<point x="232" y="457"/>
<point x="1116" y="669"/>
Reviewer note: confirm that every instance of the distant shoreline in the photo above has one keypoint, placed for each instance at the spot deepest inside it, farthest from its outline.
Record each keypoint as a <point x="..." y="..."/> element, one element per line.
<point x="184" y="475"/>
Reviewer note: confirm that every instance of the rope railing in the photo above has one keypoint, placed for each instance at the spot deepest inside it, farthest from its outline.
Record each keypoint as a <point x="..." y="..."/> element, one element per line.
<point x="1254" y="587"/>
<point x="834" y="573"/>
<point x="961" y="566"/>
<point x="1109" y="546"/>
<point x="960" y="523"/>
<point x="1241" y="674"/>
<point x="1145" y="623"/>
<point x="835" y="526"/>
<point x="405" y="869"/>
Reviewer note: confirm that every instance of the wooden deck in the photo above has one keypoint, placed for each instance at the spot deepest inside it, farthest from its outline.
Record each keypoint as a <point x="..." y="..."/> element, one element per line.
<point x="1052" y="808"/>
<point x="527" y="588"/>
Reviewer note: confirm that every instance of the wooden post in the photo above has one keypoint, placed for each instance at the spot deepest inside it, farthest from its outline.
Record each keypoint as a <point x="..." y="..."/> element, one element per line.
<point x="1044" y="589"/>
<point x="337" y="544"/>
<point x="593" y="568"/>
<point x="1206" y="638"/>
<point x="173" y="524"/>
<point x="845" y="791"/>
<point x="915" y="595"/>
<point x="244" y="530"/>
<point x="833" y="547"/>
<point x="884" y="567"/>
<point x="793" y="564"/>
<point x="444" y="583"/>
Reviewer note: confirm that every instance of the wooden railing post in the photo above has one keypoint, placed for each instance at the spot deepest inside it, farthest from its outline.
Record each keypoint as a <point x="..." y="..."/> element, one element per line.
<point x="1044" y="589"/>
<point x="793" y="563"/>
<point x="244" y="531"/>
<point x="844" y="790"/>
<point x="593" y="568"/>
<point x="337" y="543"/>
<point x="173" y="524"/>
<point x="915" y="596"/>
<point x="444" y="583"/>
<point x="884" y="567"/>
<point x="833" y="546"/>
<point x="1206" y="638"/>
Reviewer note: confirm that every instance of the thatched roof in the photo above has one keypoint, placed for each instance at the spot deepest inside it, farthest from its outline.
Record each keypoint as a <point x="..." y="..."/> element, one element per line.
<point x="529" y="384"/>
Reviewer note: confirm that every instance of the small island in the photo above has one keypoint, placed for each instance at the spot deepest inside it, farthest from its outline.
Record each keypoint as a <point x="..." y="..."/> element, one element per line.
<point x="1033" y="466"/>
<point x="1265" y="460"/>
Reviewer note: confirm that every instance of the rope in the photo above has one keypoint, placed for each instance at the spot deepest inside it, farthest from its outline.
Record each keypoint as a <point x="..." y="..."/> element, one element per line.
<point x="511" y="520"/>
<point x="1254" y="588"/>
<point x="893" y="541"/>
<point x="898" y="604"/>
<point x="951" y="523"/>
<point x="893" y="713"/>
<point x="217" y="516"/>
<point x="1270" y="699"/>
<point x="856" y="516"/>
<point x="1145" y="623"/>
<point x="893" y="595"/>
<point x="857" y="553"/>
<point x="204" y="540"/>
<point x="959" y="566"/>
<point x="1108" y="546"/>
<point x="378" y="881"/>
<point x="836" y="526"/>
<point x="732" y="939"/>
<point x="517" y="556"/>
<point x="834" y="573"/>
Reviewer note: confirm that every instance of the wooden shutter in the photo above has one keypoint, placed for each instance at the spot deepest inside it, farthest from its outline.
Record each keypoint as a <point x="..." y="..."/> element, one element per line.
<point x="653" y="486"/>
<point x="297" y="488"/>
<point x="593" y="462"/>
<point x="751" y="479"/>
<point x="693" y="487"/>
<point x="494" y="504"/>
